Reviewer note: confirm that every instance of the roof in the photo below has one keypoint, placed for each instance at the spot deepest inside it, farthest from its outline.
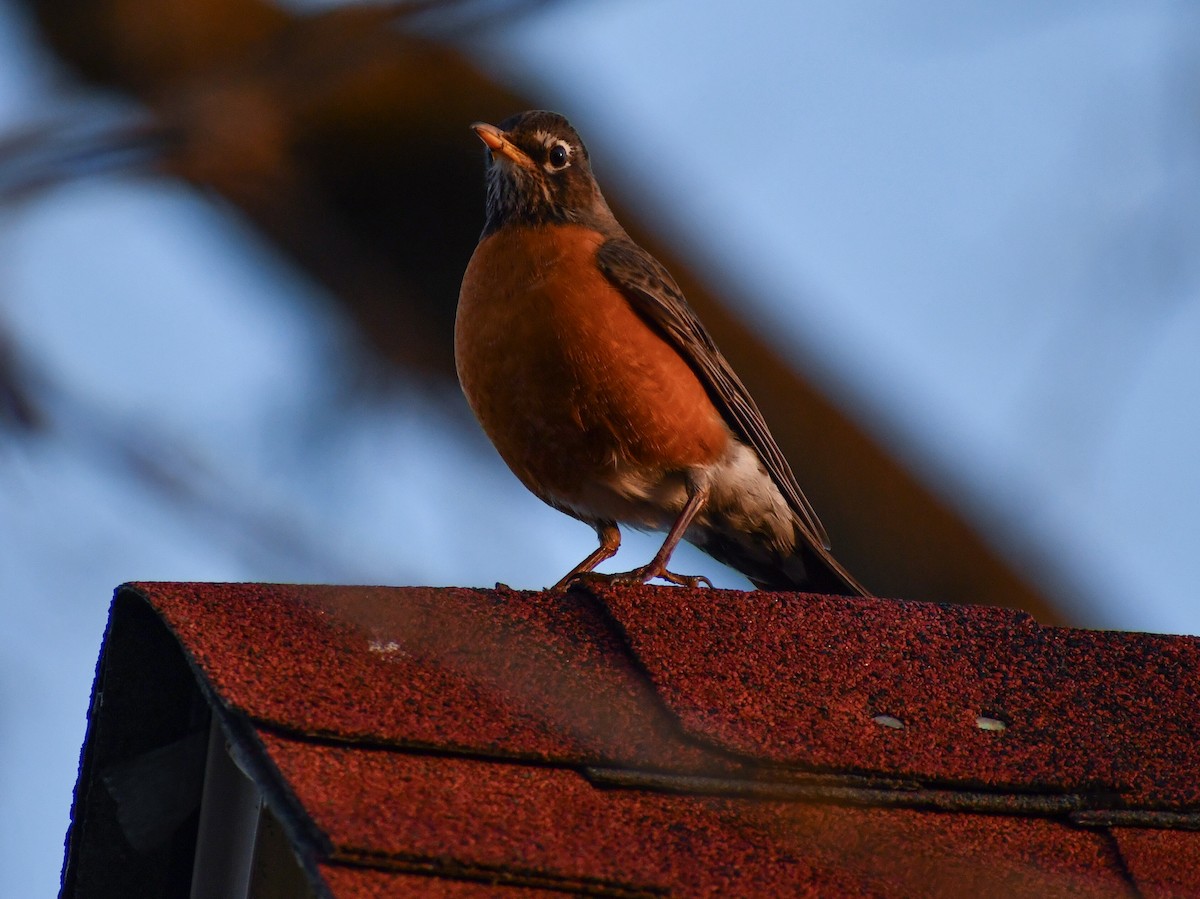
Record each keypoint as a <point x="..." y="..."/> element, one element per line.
<point x="649" y="741"/>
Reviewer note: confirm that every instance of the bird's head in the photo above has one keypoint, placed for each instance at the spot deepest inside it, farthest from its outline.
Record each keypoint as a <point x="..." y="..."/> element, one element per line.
<point x="538" y="172"/>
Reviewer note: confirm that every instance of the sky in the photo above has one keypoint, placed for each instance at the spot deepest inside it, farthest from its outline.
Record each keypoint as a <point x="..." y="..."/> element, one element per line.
<point x="976" y="227"/>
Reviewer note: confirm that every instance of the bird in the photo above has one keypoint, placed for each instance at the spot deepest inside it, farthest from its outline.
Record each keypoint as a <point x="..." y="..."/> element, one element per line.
<point x="602" y="390"/>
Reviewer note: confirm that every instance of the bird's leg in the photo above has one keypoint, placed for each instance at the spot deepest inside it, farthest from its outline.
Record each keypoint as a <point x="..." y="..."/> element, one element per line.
<point x="610" y="542"/>
<point x="657" y="567"/>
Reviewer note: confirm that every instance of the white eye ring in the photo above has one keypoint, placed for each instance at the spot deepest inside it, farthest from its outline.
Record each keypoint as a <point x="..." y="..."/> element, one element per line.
<point x="559" y="156"/>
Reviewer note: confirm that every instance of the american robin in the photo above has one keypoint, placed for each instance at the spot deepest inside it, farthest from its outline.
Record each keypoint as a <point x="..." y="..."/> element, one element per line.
<point x="602" y="390"/>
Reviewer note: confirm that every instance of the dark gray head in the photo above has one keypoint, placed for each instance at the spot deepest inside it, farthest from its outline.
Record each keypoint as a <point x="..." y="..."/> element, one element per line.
<point x="538" y="172"/>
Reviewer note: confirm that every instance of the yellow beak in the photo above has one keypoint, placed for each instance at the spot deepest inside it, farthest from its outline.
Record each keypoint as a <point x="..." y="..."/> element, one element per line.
<point x="497" y="141"/>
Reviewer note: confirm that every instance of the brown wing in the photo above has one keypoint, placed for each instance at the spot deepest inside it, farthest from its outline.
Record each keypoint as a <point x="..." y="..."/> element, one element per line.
<point x="656" y="296"/>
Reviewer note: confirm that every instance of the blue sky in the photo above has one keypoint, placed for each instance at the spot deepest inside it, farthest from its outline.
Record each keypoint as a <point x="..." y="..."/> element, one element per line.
<point x="978" y="228"/>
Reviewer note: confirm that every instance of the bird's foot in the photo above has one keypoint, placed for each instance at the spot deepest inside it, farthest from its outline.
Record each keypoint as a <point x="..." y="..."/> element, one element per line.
<point x="639" y="576"/>
<point x="691" y="581"/>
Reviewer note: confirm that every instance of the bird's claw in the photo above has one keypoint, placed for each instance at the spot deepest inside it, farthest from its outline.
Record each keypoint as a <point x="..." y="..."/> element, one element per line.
<point x="637" y="576"/>
<point x="692" y="582"/>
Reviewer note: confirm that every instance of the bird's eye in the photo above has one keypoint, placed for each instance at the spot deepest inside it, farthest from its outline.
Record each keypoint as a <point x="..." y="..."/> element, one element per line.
<point x="560" y="155"/>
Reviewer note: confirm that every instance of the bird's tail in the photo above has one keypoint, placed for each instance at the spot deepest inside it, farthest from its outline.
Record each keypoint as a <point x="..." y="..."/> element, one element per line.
<point x="809" y="569"/>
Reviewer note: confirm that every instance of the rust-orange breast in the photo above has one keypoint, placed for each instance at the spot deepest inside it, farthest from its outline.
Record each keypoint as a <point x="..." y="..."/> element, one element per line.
<point x="567" y="380"/>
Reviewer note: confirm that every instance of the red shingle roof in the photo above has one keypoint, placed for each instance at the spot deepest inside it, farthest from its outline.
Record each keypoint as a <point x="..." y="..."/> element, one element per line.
<point x="657" y="740"/>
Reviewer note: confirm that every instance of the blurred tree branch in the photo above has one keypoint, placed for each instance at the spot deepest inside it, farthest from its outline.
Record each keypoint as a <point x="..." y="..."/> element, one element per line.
<point x="343" y="137"/>
<point x="19" y="410"/>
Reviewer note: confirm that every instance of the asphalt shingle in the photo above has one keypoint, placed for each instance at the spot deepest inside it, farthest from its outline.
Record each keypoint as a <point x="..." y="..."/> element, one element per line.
<point x="652" y="741"/>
